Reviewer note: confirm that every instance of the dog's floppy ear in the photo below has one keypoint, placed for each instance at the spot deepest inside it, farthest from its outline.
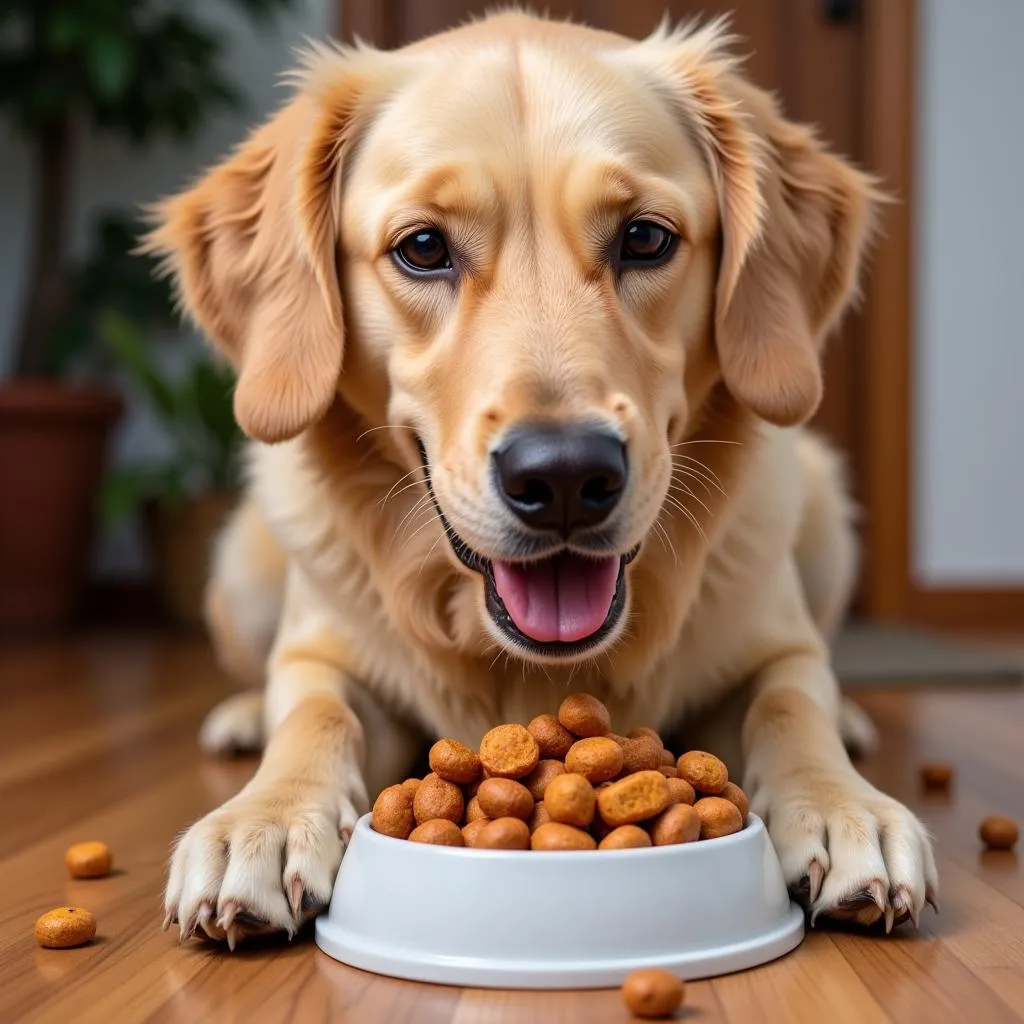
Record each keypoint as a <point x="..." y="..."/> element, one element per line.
<point x="252" y="248"/>
<point x="795" y="222"/>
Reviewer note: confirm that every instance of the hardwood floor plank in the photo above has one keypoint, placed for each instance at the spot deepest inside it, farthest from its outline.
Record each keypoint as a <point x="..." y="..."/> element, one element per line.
<point x="801" y="988"/>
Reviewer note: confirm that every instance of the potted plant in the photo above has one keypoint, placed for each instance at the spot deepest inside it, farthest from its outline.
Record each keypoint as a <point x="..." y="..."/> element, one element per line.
<point x="138" y="68"/>
<point x="182" y="499"/>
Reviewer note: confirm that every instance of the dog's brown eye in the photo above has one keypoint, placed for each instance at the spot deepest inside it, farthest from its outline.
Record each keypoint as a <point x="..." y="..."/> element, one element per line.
<point x="424" y="252"/>
<point x="644" y="241"/>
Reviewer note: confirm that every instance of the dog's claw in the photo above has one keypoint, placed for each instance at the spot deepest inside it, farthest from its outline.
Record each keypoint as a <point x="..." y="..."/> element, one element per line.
<point x="876" y="890"/>
<point x="295" y="896"/>
<point x="231" y="934"/>
<point x="890" y="917"/>
<point x="228" y="914"/>
<point x="815" y="877"/>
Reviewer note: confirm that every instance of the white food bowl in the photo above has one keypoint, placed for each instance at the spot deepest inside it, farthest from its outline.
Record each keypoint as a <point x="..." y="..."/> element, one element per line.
<point x="543" y="920"/>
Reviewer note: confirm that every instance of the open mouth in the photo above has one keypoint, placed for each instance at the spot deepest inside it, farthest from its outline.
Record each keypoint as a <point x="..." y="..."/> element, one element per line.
<point x="563" y="604"/>
<point x="559" y="605"/>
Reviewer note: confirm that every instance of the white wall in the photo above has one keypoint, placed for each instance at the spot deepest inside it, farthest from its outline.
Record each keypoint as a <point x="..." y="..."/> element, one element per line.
<point x="969" y="411"/>
<point x="111" y="173"/>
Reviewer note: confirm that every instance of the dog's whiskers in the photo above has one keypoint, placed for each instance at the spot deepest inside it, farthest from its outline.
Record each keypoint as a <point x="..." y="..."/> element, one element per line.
<point x="405" y="476"/>
<point x="423" y="502"/>
<point x="689" y="515"/>
<point x="385" y="426"/>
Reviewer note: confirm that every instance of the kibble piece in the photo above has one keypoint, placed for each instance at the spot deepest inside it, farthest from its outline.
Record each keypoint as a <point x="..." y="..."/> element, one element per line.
<point x="553" y="739"/>
<point x="570" y="799"/>
<point x="998" y="832"/>
<point x="736" y="796"/>
<point x="471" y="830"/>
<point x="705" y="772"/>
<point x="668" y="758"/>
<point x="681" y="791"/>
<point x="936" y="775"/>
<point x="625" y="837"/>
<point x="504" y="834"/>
<point x="454" y="762"/>
<point x="584" y="715"/>
<point x="652" y="993"/>
<point x="635" y="798"/>
<point x="640" y="754"/>
<point x="504" y="798"/>
<point x="537" y="781"/>
<point x="474" y="812"/>
<point x="393" y="812"/>
<point x="679" y="824"/>
<point x="89" y="860"/>
<point x="438" y="832"/>
<point x="65" y="928"/>
<point x="437" y="798"/>
<point x="718" y="817"/>
<point x="539" y="817"/>
<point x="598" y="758"/>
<point x="644" y="730"/>
<point x="411" y="785"/>
<point x="509" y="752"/>
<point x="558" y="836"/>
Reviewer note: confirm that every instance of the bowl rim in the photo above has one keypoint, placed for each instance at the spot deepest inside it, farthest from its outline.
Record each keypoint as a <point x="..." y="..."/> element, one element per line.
<point x="754" y="827"/>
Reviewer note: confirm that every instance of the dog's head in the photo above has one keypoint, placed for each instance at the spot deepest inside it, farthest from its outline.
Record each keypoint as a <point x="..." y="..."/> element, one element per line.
<point x="541" y="248"/>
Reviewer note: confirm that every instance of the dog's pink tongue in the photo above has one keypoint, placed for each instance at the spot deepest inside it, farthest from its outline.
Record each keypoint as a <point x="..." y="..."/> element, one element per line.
<point x="563" y="598"/>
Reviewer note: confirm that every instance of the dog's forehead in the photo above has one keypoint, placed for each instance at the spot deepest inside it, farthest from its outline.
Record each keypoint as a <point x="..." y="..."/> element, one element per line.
<point x="524" y="106"/>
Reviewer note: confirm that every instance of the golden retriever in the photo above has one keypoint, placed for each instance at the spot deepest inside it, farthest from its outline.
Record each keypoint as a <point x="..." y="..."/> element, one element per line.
<point x="526" y="319"/>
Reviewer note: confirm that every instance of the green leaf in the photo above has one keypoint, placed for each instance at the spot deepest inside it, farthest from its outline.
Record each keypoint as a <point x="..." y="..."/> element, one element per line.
<point x="109" y="59"/>
<point x="124" y="339"/>
<point x="122" y="494"/>
<point x="65" y="30"/>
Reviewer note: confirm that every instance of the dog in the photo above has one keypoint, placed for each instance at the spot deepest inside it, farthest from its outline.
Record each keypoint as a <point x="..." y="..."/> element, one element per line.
<point x="527" y="320"/>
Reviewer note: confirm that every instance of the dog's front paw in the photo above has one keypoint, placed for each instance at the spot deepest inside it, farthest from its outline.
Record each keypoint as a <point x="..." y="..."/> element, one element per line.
<point x="264" y="862"/>
<point x="849" y="852"/>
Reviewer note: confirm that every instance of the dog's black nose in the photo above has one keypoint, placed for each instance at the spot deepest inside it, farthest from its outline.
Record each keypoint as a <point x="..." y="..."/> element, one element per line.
<point x="561" y="477"/>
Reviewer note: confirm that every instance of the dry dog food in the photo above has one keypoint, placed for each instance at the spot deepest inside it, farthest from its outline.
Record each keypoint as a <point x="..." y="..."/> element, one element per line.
<point x="936" y="775"/>
<point x="570" y="800"/>
<point x="703" y="771"/>
<point x="509" y="752"/>
<point x="65" y="928"/>
<point x="392" y="812"/>
<point x="625" y="837"/>
<point x="504" y="798"/>
<point x="652" y="992"/>
<point x="437" y="798"/>
<point x="90" y="860"/>
<point x="679" y="824"/>
<point x="553" y="739"/>
<point x="438" y="832"/>
<point x="718" y="817"/>
<point x="998" y="832"/>
<point x="504" y="834"/>
<point x="454" y="762"/>
<point x="584" y="715"/>
<point x="597" y="758"/>
<point x="537" y="781"/>
<point x="565" y="782"/>
<point x="557" y="836"/>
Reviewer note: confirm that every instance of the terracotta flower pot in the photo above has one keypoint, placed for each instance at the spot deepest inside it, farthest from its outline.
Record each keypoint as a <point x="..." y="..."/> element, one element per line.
<point x="53" y="444"/>
<point x="181" y="538"/>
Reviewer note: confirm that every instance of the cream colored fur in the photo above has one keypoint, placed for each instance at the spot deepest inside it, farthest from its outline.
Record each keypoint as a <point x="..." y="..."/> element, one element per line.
<point x="526" y="140"/>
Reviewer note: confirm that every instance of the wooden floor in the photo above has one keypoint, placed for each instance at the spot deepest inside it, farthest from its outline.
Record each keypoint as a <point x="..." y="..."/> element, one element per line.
<point x="98" y="740"/>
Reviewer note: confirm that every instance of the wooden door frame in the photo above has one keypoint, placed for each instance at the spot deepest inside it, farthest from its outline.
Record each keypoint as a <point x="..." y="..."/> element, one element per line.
<point x="889" y="590"/>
